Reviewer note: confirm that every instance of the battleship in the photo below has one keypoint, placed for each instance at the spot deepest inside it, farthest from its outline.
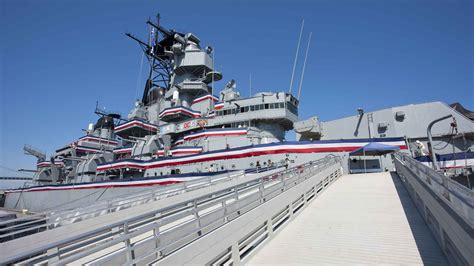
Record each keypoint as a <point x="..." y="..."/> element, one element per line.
<point x="184" y="128"/>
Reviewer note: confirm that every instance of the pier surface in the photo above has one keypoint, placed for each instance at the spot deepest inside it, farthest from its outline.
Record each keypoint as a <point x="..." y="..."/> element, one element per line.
<point x="363" y="219"/>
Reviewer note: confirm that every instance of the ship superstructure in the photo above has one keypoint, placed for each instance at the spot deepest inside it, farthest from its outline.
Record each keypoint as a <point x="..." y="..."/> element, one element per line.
<point x="178" y="115"/>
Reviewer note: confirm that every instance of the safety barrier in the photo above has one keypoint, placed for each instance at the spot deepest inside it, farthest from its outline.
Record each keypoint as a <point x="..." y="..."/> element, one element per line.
<point x="446" y="206"/>
<point x="154" y="235"/>
<point x="30" y="224"/>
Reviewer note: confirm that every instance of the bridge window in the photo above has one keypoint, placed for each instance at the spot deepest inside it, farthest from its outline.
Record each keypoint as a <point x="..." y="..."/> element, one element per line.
<point x="243" y="109"/>
<point x="292" y="108"/>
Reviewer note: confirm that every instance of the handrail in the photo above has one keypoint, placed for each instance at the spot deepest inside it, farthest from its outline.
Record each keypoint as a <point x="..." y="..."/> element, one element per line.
<point x="12" y="229"/>
<point x="445" y="205"/>
<point x="204" y="213"/>
<point x="458" y="197"/>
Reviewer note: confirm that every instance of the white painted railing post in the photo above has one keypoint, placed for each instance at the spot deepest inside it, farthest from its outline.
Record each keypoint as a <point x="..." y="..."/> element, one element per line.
<point x="52" y="252"/>
<point x="196" y="216"/>
<point x="270" y="227"/>
<point x="129" y="254"/>
<point x="235" y="254"/>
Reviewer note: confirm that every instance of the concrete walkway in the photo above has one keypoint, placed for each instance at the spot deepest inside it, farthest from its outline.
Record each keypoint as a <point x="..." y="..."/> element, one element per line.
<point x="363" y="219"/>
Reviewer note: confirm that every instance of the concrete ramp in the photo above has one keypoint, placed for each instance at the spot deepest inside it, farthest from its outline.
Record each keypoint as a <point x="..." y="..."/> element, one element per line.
<point x="364" y="219"/>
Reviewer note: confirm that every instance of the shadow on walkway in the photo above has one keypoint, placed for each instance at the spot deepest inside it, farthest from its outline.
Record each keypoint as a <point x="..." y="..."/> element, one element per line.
<point x="429" y="249"/>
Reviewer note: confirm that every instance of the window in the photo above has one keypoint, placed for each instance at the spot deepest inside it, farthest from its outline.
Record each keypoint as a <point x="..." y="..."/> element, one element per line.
<point x="267" y="106"/>
<point x="252" y="108"/>
<point x="282" y="105"/>
<point x="246" y="109"/>
<point x="292" y="108"/>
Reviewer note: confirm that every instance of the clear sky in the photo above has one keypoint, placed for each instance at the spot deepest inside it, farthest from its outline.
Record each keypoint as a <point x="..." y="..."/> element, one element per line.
<point x="58" y="57"/>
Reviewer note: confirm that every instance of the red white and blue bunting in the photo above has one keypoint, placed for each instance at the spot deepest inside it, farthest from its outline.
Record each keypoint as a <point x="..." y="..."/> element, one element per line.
<point x="97" y="140"/>
<point x="258" y="150"/>
<point x="48" y="163"/>
<point x="205" y="97"/>
<point x="123" y="150"/>
<point x="452" y="160"/>
<point x="220" y="132"/>
<point x="180" y="110"/>
<point x="160" y="180"/>
<point x="181" y="151"/>
<point x="135" y="123"/>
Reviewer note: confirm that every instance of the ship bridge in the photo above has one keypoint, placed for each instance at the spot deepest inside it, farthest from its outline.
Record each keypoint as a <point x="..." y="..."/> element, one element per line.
<point x="274" y="108"/>
<point x="313" y="213"/>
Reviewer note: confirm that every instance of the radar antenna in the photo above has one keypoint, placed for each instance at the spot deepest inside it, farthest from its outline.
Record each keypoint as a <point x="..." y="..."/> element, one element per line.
<point x="296" y="57"/>
<point x="304" y="66"/>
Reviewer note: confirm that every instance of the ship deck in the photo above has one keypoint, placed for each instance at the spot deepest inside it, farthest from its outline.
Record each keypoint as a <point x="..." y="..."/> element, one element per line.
<point x="363" y="219"/>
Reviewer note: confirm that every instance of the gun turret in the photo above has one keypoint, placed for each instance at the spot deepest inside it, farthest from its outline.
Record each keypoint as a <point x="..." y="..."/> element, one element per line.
<point x="29" y="150"/>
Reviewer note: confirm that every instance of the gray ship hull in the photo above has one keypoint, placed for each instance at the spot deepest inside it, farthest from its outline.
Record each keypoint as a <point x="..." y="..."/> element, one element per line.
<point x="58" y="197"/>
<point x="292" y="154"/>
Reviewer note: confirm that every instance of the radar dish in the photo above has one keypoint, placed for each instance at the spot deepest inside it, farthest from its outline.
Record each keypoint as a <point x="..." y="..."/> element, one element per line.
<point x="212" y="76"/>
<point x="114" y="115"/>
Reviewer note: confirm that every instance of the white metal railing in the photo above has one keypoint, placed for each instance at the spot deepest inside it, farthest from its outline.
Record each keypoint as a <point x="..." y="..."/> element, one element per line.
<point x="457" y="196"/>
<point x="445" y="205"/>
<point x="170" y="228"/>
<point x="30" y="224"/>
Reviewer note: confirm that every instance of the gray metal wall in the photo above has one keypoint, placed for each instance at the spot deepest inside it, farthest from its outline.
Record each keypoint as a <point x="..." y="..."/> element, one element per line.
<point x="417" y="118"/>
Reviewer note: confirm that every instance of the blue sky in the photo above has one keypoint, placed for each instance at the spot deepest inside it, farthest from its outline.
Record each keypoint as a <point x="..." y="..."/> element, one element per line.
<point x="59" y="57"/>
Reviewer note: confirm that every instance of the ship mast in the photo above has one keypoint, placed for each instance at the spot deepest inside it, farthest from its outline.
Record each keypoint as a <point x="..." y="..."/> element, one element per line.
<point x="156" y="53"/>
